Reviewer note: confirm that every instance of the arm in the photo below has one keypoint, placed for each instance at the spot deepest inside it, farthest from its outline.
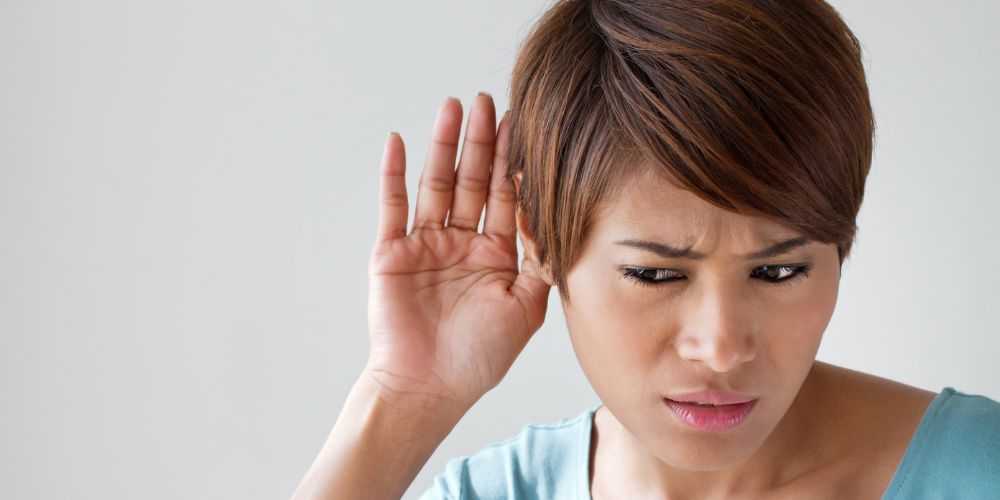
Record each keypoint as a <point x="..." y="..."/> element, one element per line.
<point x="378" y="445"/>
<point x="448" y="309"/>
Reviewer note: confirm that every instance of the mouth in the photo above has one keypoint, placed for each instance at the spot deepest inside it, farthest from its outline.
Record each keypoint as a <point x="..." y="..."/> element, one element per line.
<point x="708" y="416"/>
<point x="711" y="397"/>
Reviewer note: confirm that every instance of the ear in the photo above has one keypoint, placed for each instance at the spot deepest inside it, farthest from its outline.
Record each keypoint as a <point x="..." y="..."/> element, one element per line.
<point x="527" y="240"/>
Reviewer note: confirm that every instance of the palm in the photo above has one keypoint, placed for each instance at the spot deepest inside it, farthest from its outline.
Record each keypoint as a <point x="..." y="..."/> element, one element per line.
<point x="448" y="309"/>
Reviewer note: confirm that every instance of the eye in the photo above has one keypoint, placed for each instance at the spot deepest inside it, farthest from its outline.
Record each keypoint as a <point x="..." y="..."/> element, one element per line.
<point x="782" y="274"/>
<point x="649" y="276"/>
<point x="776" y="275"/>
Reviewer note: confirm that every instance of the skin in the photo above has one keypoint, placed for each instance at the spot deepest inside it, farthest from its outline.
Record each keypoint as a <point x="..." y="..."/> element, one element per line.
<point x="857" y="430"/>
<point x="721" y="326"/>
<point x="450" y="309"/>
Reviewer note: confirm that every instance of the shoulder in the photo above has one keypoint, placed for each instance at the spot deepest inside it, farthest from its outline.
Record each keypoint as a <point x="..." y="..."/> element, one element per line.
<point x="955" y="450"/>
<point x="542" y="461"/>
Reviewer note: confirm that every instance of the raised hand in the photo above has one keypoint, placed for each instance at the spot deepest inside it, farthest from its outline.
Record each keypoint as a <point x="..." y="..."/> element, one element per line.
<point x="448" y="309"/>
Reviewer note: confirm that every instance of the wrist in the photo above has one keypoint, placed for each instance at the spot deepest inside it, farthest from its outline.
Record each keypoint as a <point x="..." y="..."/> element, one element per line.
<point x="379" y="443"/>
<point x="409" y="403"/>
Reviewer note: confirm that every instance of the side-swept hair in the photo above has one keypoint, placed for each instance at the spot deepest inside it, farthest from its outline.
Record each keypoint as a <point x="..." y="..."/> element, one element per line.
<point x="759" y="107"/>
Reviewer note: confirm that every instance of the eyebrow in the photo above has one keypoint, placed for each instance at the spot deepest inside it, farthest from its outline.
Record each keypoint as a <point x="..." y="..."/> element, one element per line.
<point x="670" y="252"/>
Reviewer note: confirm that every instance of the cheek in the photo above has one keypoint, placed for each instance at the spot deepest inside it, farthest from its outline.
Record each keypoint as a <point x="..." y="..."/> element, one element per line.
<point x="614" y="332"/>
<point x="622" y="332"/>
<point x="793" y="328"/>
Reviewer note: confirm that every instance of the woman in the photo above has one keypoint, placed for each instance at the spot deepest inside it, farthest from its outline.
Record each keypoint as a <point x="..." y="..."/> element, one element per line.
<point x="688" y="175"/>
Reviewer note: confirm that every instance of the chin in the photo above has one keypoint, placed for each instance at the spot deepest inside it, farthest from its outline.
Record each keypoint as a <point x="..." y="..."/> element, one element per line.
<point x="684" y="448"/>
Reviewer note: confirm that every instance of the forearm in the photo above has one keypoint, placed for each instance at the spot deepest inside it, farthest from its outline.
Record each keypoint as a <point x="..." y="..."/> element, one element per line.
<point x="378" y="445"/>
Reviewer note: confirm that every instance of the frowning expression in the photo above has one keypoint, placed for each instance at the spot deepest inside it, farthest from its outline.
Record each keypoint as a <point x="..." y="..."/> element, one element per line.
<point x="672" y="294"/>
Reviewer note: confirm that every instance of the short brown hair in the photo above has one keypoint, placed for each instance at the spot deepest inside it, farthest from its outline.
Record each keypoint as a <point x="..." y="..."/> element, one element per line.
<point x="757" y="106"/>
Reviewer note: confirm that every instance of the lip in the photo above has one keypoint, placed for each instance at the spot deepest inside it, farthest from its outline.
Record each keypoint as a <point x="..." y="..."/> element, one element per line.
<point x="712" y="397"/>
<point x="711" y="418"/>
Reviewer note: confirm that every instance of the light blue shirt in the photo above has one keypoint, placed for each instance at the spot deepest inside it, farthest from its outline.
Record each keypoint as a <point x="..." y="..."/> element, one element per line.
<point x="954" y="453"/>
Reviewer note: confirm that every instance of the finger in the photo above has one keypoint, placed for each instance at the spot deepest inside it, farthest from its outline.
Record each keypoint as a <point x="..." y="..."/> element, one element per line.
<point x="501" y="202"/>
<point x="437" y="181"/>
<point x="472" y="179"/>
<point x="393" y="204"/>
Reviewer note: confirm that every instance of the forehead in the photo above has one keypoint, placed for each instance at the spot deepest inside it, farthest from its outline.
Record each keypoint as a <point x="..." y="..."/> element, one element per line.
<point x="651" y="204"/>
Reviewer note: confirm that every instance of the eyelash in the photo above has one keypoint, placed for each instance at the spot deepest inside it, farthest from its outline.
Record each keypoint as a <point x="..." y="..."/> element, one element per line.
<point x="633" y="274"/>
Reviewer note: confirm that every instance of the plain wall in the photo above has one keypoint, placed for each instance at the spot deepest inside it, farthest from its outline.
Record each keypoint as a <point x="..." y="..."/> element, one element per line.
<point x="188" y="200"/>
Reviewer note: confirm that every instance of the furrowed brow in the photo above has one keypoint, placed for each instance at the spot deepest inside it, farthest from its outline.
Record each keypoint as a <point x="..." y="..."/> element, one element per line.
<point x="662" y="249"/>
<point x="672" y="252"/>
<point x="779" y="248"/>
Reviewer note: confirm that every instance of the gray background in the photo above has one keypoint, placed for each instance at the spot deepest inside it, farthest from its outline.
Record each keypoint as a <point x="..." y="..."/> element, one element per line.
<point x="188" y="202"/>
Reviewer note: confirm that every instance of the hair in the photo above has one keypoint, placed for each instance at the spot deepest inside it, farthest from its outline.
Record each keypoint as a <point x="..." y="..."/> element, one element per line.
<point x="759" y="107"/>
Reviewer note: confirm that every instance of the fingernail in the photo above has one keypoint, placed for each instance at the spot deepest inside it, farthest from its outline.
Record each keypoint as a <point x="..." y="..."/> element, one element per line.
<point x="454" y="99"/>
<point x="393" y="133"/>
<point x="487" y="94"/>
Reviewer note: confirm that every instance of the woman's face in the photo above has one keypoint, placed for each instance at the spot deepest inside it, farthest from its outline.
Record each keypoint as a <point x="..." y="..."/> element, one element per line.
<point x="712" y="322"/>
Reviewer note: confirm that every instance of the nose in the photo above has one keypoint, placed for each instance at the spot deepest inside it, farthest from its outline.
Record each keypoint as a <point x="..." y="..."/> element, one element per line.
<point x="719" y="330"/>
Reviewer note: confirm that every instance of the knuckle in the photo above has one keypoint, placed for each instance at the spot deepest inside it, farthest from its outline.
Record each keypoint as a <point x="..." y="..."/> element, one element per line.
<point x="395" y="199"/>
<point x="444" y="143"/>
<point x="398" y="232"/>
<point x="461" y="221"/>
<point x="478" y="142"/>
<point x="503" y="194"/>
<point x="472" y="183"/>
<point x="390" y="233"/>
<point x="427" y="224"/>
<point x="437" y="183"/>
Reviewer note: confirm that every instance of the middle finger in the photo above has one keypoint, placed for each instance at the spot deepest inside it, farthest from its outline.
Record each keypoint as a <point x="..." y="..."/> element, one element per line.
<point x="437" y="180"/>
<point x="472" y="180"/>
